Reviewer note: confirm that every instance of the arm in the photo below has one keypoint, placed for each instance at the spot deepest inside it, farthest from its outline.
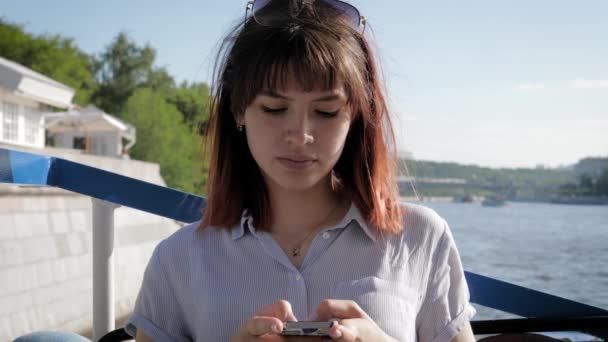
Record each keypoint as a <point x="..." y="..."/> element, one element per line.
<point x="157" y="315"/>
<point x="446" y="310"/>
<point x="465" y="335"/>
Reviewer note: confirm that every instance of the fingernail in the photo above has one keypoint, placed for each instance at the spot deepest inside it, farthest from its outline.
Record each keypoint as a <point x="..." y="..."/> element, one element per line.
<point x="336" y="334"/>
<point x="275" y="328"/>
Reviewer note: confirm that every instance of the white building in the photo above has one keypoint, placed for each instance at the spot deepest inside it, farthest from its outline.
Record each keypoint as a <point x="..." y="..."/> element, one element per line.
<point x="26" y="101"/>
<point x="24" y="96"/>
<point x="91" y="130"/>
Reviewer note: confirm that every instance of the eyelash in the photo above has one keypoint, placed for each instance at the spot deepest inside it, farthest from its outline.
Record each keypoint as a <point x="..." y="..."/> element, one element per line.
<point x="273" y="110"/>
<point x="280" y="110"/>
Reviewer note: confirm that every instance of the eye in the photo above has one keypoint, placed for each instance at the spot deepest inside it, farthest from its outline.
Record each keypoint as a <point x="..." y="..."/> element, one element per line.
<point x="273" y="110"/>
<point x="328" y="114"/>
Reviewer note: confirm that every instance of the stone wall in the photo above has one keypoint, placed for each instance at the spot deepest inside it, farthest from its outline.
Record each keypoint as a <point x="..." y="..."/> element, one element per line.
<point x="45" y="253"/>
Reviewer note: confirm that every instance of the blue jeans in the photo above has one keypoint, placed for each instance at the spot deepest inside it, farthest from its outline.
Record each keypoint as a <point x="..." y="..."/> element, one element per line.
<point x="51" y="336"/>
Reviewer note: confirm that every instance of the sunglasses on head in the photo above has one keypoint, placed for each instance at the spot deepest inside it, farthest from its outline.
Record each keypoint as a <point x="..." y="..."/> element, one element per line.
<point x="280" y="12"/>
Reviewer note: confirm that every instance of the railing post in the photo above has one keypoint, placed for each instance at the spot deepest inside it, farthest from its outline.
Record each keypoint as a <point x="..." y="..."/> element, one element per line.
<point x="103" y="267"/>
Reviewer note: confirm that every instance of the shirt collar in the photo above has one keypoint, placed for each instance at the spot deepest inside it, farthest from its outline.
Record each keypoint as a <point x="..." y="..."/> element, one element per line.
<point x="353" y="214"/>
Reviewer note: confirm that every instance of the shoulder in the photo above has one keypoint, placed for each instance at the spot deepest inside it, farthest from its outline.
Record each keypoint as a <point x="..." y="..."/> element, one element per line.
<point x="178" y="245"/>
<point x="190" y="242"/>
<point x="423" y="227"/>
<point x="418" y="218"/>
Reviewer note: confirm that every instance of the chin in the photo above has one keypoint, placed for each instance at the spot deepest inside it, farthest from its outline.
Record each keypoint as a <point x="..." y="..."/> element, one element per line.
<point x="296" y="183"/>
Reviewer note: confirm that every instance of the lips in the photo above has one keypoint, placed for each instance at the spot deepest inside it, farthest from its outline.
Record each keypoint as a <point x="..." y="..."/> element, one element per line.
<point x="297" y="159"/>
<point x="296" y="163"/>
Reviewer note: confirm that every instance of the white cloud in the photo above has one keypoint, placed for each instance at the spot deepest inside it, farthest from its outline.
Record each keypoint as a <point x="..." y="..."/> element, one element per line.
<point x="529" y="87"/>
<point x="589" y="84"/>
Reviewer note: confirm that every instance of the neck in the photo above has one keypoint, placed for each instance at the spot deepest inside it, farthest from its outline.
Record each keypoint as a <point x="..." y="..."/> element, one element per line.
<point x="296" y="213"/>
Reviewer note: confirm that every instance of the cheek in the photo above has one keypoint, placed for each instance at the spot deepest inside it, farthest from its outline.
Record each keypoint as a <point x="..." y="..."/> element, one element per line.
<point x="334" y="136"/>
<point x="260" y="138"/>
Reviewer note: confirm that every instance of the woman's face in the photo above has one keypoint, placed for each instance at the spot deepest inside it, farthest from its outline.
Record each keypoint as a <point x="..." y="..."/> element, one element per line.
<point x="296" y="137"/>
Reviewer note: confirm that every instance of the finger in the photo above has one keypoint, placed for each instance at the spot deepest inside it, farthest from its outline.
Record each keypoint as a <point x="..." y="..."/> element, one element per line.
<point x="339" y="308"/>
<point x="261" y="325"/>
<point x="344" y="333"/>
<point x="280" y="309"/>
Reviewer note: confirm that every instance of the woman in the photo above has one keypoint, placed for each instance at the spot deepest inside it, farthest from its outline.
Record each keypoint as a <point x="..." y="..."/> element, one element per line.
<point x="303" y="220"/>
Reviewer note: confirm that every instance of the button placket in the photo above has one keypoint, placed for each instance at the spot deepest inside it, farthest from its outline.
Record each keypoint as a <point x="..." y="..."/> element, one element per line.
<point x="317" y="247"/>
<point x="298" y="295"/>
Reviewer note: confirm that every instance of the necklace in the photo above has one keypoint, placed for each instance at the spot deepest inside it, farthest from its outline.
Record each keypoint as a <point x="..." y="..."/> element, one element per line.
<point x="295" y="251"/>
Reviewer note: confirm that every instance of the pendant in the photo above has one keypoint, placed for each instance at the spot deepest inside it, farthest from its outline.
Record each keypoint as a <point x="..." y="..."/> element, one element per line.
<point x="295" y="252"/>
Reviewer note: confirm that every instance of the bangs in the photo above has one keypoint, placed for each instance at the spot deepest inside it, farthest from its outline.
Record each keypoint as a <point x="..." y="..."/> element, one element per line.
<point x="315" y="60"/>
<point x="308" y="76"/>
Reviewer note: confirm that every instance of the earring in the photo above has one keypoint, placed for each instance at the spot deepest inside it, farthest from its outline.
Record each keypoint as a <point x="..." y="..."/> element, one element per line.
<point x="239" y="127"/>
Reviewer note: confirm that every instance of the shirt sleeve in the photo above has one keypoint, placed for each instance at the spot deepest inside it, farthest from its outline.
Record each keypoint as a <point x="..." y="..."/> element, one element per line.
<point x="157" y="312"/>
<point x="445" y="308"/>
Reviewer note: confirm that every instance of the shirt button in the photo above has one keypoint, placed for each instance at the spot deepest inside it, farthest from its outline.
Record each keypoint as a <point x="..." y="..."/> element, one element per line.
<point x="326" y="235"/>
<point x="298" y="277"/>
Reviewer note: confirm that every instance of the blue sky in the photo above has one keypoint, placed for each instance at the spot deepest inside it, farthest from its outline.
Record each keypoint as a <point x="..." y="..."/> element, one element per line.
<point x="494" y="83"/>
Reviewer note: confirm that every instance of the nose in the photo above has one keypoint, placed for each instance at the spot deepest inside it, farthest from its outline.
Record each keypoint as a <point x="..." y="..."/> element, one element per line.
<point x="299" y="130"/>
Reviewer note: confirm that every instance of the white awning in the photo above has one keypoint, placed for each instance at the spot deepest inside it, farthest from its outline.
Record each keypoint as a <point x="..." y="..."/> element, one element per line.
<point x="88" y="120"/>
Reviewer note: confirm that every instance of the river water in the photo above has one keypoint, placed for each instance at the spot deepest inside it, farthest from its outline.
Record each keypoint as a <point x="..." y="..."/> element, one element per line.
<point x="557" y="249"/>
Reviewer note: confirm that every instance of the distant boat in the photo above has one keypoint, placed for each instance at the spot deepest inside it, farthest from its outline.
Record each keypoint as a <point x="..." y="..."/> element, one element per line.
<point x="494" y="201"/>
<point x="463" y="199"/>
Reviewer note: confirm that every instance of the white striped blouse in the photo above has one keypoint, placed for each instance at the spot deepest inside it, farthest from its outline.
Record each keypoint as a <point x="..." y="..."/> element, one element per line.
<point x="202" y="286"/>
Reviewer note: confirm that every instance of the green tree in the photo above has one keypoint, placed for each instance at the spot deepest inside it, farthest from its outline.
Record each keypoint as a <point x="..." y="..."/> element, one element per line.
<point x="163" y="138"/>
<point x="192" y="100"/>
<point x="159" y="80"/>
<point x="121" y="69"/>
<point x="568" y="189"/>
<point x="53" y="56"/>
<point x="602" y="183"/>
<point x="586" y="185"/>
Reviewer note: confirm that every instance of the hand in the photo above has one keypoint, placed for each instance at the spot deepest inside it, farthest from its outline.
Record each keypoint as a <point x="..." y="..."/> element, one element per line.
<point x="354" y="326"/>
<point x="265" y="325"/>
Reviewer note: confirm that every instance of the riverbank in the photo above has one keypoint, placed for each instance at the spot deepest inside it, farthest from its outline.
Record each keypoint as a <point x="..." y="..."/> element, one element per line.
<point x="579" y="200"/>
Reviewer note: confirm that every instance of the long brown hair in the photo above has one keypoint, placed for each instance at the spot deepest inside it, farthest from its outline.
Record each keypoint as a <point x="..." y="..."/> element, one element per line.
<point x="320" y="55"/>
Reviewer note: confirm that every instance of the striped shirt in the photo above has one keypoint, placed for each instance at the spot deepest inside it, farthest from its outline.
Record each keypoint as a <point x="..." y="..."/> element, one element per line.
<point x="203" y="285"/>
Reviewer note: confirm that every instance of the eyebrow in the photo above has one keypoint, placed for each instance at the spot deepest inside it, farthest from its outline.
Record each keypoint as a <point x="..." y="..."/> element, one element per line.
<point x="329" y="97"/>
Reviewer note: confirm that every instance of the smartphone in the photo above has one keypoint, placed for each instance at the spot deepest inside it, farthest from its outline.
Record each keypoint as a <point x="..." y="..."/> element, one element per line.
<point x="308" y="328"/>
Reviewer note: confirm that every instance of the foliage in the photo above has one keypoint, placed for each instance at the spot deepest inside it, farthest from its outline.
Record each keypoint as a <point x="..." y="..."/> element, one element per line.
<point x="163" y="138"/>
<point x="519" y="183"/>
<point x="121" y="69"/>
<point x="602" y="183"/>
<point x="587" y="185"/>
<point x="127" y="79"/>
<point x="53" y="56"/>
<point x="592" y="167"/>
<point x="484" y="176"/>
<point x="192" y="100"/>
<point x="516" y="183"/>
